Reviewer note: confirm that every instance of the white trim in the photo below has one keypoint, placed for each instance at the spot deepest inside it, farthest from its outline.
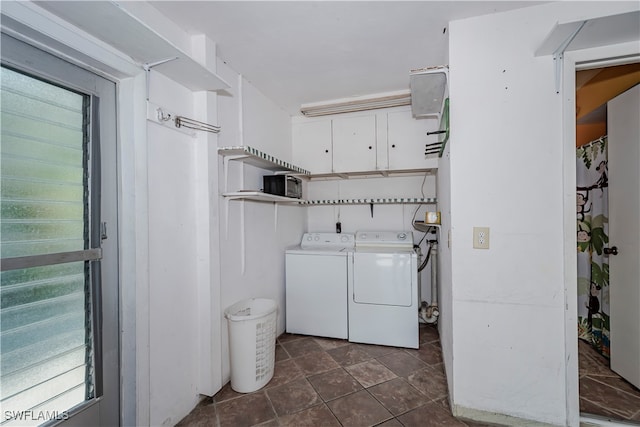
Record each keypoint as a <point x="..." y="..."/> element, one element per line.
<point x="570" y="275"/>
<point x="136" y="186"/>
<point x="605" y="56"/>
<point x="494" y="418"/>
<point x="208" y="239"/>
<point x="134" y="251"/>
<point x="589" y="65"/>
<point x="208" y="224"/>
<point x="42" y="29"/>
<point x="592" y="420"/>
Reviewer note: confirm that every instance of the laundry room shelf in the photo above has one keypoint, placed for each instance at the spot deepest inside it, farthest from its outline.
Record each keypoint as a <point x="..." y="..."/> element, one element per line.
<point x="134" y="21"/>
<point x="423" y="226"/>
<point x="381" y="201"/>
<point x="431" y="168"/>
<point x="259" y="196"/>
<point x="260" y="159"/>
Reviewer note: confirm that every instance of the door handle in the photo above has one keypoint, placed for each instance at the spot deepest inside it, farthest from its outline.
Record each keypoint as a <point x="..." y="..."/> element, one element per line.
<point x="611" y="251"/>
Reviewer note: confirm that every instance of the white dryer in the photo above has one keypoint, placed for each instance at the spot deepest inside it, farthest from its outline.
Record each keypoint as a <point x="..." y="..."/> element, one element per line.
<point x="383" y="290"/>
<point x="317" y="273"/>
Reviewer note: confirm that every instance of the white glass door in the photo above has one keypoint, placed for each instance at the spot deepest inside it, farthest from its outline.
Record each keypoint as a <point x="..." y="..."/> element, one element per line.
<point x="59" y="288"/>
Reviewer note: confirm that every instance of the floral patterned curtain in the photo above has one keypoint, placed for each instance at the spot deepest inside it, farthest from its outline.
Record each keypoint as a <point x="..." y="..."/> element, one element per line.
<point x="592" y="195"/>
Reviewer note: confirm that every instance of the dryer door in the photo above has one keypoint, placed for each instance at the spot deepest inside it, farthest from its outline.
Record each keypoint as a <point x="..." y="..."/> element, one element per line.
<point x="382" y="278"/>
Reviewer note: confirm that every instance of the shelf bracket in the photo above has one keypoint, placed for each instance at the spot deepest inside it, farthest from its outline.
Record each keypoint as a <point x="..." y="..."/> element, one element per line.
<point x="558" y="54"/>
<point x="275" y="217"/>
<point x="243" y="249"/>
<point x="226" y="217"/>
<point x="147" y="69"/>
<point x="225" y="167"/>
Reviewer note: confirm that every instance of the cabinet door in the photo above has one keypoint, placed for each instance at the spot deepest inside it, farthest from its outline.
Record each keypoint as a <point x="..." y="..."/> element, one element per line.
<point x="407" y="138"/>
<point x="354" y="144"/>
<point x="312" y="146"/>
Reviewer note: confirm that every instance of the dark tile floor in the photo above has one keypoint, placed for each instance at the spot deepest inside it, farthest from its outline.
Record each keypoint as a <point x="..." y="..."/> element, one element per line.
<point x="602" y="391"/>
<point x="328" y="382"/>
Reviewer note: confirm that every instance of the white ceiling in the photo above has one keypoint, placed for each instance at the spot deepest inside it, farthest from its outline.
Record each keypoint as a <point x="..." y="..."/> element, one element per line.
<point x="297" y="52"/>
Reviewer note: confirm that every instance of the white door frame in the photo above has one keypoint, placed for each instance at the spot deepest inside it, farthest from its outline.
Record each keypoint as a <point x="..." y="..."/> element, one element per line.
<point x="575" y="60"/>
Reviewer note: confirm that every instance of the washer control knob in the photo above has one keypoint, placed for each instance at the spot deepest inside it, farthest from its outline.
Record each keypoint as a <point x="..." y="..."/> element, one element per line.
<point x="309" y="238"/>
<point x="344" y="239"/>
<point x="316" y="238"/>
<point x="402" y="236"/>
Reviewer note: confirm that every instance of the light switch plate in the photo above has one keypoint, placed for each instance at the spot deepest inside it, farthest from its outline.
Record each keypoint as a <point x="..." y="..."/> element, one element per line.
<point x="481" y="237"/>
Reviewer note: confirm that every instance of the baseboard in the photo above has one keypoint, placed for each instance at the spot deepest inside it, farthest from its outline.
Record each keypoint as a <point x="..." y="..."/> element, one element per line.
<point x="588" y="420"/>
<point x="494" y="418"/>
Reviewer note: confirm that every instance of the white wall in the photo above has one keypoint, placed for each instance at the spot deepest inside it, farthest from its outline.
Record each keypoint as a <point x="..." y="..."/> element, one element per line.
<point x="506" y="353"/>
<point x="253" y="236"/>
<point x="445" y="321"/>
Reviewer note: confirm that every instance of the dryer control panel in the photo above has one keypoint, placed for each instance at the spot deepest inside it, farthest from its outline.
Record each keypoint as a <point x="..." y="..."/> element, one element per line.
<point x="384" y="239"/>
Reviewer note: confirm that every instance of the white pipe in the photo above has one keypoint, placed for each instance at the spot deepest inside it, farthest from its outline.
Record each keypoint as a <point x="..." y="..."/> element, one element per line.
<point x="434" y="274"/>
<point x="429" y="314"/>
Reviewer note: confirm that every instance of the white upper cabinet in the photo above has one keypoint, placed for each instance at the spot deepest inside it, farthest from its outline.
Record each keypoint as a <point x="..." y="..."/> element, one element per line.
<point x="379" y="141"/>
<point x="312" y="148"/>
<point x="354" y="144"/>
<point x="406" y="139"/>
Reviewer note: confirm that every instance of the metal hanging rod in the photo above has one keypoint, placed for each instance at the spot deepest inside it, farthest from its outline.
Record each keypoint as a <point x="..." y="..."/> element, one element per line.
<point x="163" y="116"/>
<point x="194" y="124"/>
<point x="182" y="124"/>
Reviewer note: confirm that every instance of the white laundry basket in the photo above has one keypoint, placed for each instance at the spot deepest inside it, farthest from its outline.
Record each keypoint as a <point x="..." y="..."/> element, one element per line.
<point x="252" y="343"/>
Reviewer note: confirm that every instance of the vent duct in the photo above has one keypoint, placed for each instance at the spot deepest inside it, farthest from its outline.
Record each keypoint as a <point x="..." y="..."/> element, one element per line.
<point x="428" y="90"/>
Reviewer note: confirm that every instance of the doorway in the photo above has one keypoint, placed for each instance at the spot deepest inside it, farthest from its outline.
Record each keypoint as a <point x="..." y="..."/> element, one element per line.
<point x="59" y="281"/>
<point x="602" y="391"/>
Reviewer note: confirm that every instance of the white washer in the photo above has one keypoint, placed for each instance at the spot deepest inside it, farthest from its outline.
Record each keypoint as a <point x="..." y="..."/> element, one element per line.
<point x="317" y="273"/>
<point x="383" y="291"/>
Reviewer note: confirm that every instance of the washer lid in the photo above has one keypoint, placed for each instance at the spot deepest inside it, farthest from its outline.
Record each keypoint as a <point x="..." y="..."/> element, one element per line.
<point x="319" y="251"/>
<point x="384" y="239"/>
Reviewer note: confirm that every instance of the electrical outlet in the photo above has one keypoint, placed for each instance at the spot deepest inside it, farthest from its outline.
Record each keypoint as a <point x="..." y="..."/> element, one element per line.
<point x="481" y="237"/>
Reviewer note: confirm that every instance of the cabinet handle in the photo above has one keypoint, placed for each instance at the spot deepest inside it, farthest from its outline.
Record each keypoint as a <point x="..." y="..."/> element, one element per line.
<point x="393" y="145"/>
<point x="326" y="151"/>
<point x="370" y="147"/>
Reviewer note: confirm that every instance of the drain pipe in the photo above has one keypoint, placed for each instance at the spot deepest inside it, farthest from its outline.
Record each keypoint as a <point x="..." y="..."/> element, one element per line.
<point x="430" y="313"/>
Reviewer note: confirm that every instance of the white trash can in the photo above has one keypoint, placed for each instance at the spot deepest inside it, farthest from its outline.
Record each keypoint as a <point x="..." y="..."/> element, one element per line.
<point x="252" y="343"/>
